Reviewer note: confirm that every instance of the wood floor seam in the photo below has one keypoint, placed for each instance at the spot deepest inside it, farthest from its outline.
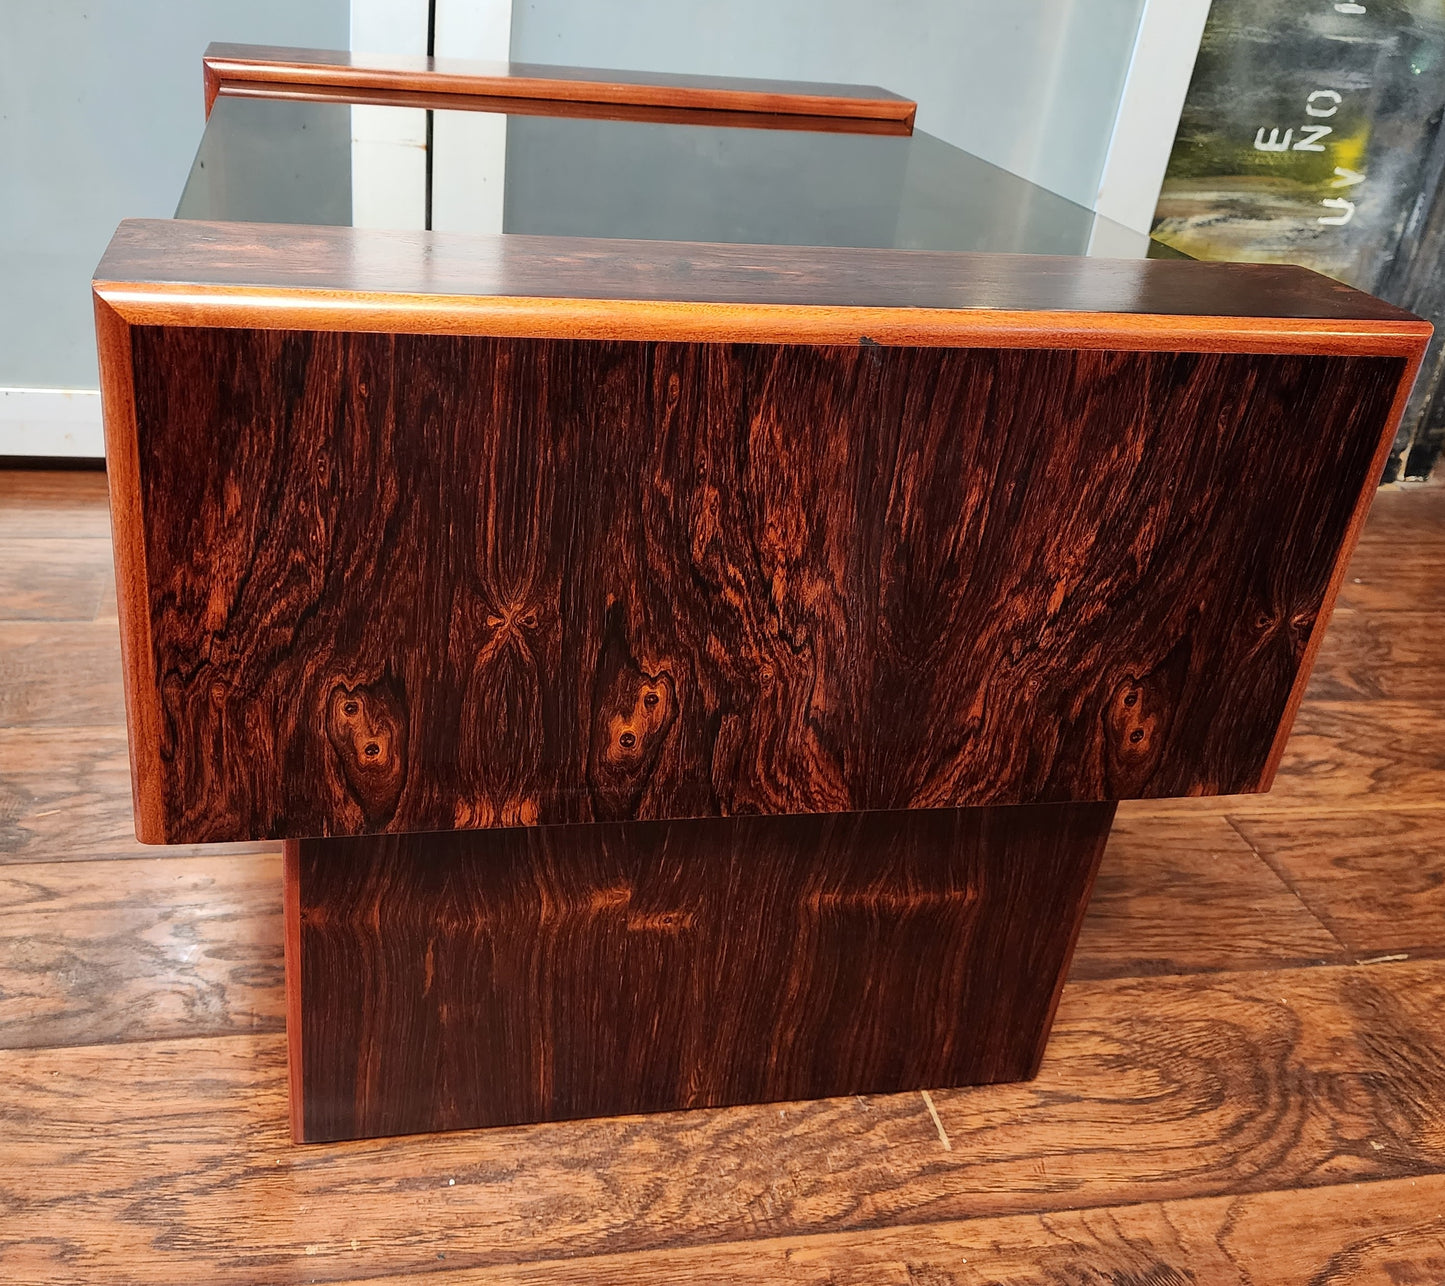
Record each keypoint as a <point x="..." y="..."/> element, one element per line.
<point x="1284" y="878"/>
<point x="16" y="870"/>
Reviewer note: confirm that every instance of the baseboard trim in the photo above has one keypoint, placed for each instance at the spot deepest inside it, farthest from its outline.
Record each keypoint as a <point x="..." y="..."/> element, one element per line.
<point x="51" y="423"/>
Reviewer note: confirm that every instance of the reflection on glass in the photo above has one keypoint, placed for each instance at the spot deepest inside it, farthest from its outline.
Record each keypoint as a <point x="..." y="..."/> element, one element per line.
<point x="332" y="163"/>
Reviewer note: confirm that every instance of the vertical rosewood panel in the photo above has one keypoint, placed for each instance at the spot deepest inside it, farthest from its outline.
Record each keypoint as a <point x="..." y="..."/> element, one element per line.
<point x="420" y="582"/>
<point x="485" y="978"/>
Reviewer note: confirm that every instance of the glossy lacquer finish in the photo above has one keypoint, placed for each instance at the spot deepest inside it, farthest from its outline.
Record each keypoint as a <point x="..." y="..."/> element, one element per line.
<point x="290" y="162"/>
<point x="415" y="583"/>
<point x="498" y="977"/>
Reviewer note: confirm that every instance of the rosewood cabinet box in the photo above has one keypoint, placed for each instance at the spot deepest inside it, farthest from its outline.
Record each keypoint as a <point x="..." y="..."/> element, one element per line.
<point x="696" y="662"/>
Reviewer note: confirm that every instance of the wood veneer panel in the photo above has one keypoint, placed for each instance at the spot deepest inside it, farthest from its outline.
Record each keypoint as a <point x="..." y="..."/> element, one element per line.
<point x="671" y="580"/>
<point x="609" y="111"/>
<point x="130" y="1163"/>
<point x="264" y="70"/>
<point x="491" y="978"/>
<point x="122" y="466"/>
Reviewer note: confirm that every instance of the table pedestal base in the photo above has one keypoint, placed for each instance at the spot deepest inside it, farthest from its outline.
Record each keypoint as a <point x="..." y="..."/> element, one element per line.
<point x="444" y="981"/>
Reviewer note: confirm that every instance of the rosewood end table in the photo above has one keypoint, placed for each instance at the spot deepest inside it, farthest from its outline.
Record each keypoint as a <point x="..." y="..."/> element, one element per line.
<point x="692" y="640"/>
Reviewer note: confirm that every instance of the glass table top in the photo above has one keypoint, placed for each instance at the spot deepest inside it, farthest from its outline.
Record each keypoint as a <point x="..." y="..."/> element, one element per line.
<point x="279" y="161"/>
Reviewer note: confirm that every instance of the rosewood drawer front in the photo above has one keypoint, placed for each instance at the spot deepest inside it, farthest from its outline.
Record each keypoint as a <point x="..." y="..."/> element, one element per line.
<point x="388" y="581"/>
<point x="417" y="582"/>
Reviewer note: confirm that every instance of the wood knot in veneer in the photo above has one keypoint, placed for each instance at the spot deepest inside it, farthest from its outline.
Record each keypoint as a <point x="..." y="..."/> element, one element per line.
<point x="632" y="712"/>
<point x="1137" y="718"/>
<point x="366" y="726"/>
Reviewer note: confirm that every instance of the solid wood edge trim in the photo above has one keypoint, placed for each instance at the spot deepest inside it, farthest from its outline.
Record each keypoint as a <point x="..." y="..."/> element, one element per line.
<point x="127" y="526"/>
<point x="536" y="317"/>
<point x="1361" y="511"/>
<point x="221" y="70"/>
<point x="1081" y="909"/>
<point x="291" y="918"/>
<point x="210" y="84"/>
<point x="684" y="115"/>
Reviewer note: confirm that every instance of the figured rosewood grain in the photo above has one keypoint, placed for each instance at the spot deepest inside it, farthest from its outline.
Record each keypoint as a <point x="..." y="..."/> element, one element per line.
<point x="459" y="980"/>
<point x="276" y="71"/>
<point x="565" y="582"/>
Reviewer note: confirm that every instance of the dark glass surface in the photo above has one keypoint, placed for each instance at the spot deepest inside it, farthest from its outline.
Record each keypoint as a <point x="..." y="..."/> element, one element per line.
<point x="298" y="162"/>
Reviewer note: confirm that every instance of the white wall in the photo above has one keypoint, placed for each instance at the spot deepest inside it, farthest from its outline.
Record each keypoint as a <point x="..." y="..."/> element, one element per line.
<point x="1031" y="85"/>
<point x="100" y="114"/>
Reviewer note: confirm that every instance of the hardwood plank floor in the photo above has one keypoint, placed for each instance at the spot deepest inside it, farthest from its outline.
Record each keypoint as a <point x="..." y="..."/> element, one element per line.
<point x="1379" y="656"/>
<point x="1375" y="879"/>
<point x="55" y="579"/>
<point x="1343" y="756"/>
<point x="63" y="673"/>
<point x="62" y="504"/>
<point x="1245" y="1082"/>
<point x="65" y="797"/>
<point x="1152" y="1090"/>
<point x="1242" y="914"/>
<point x="1380" y="582"/>
<point x="1388" y="1232"/>
<point x="164" y="946"/>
